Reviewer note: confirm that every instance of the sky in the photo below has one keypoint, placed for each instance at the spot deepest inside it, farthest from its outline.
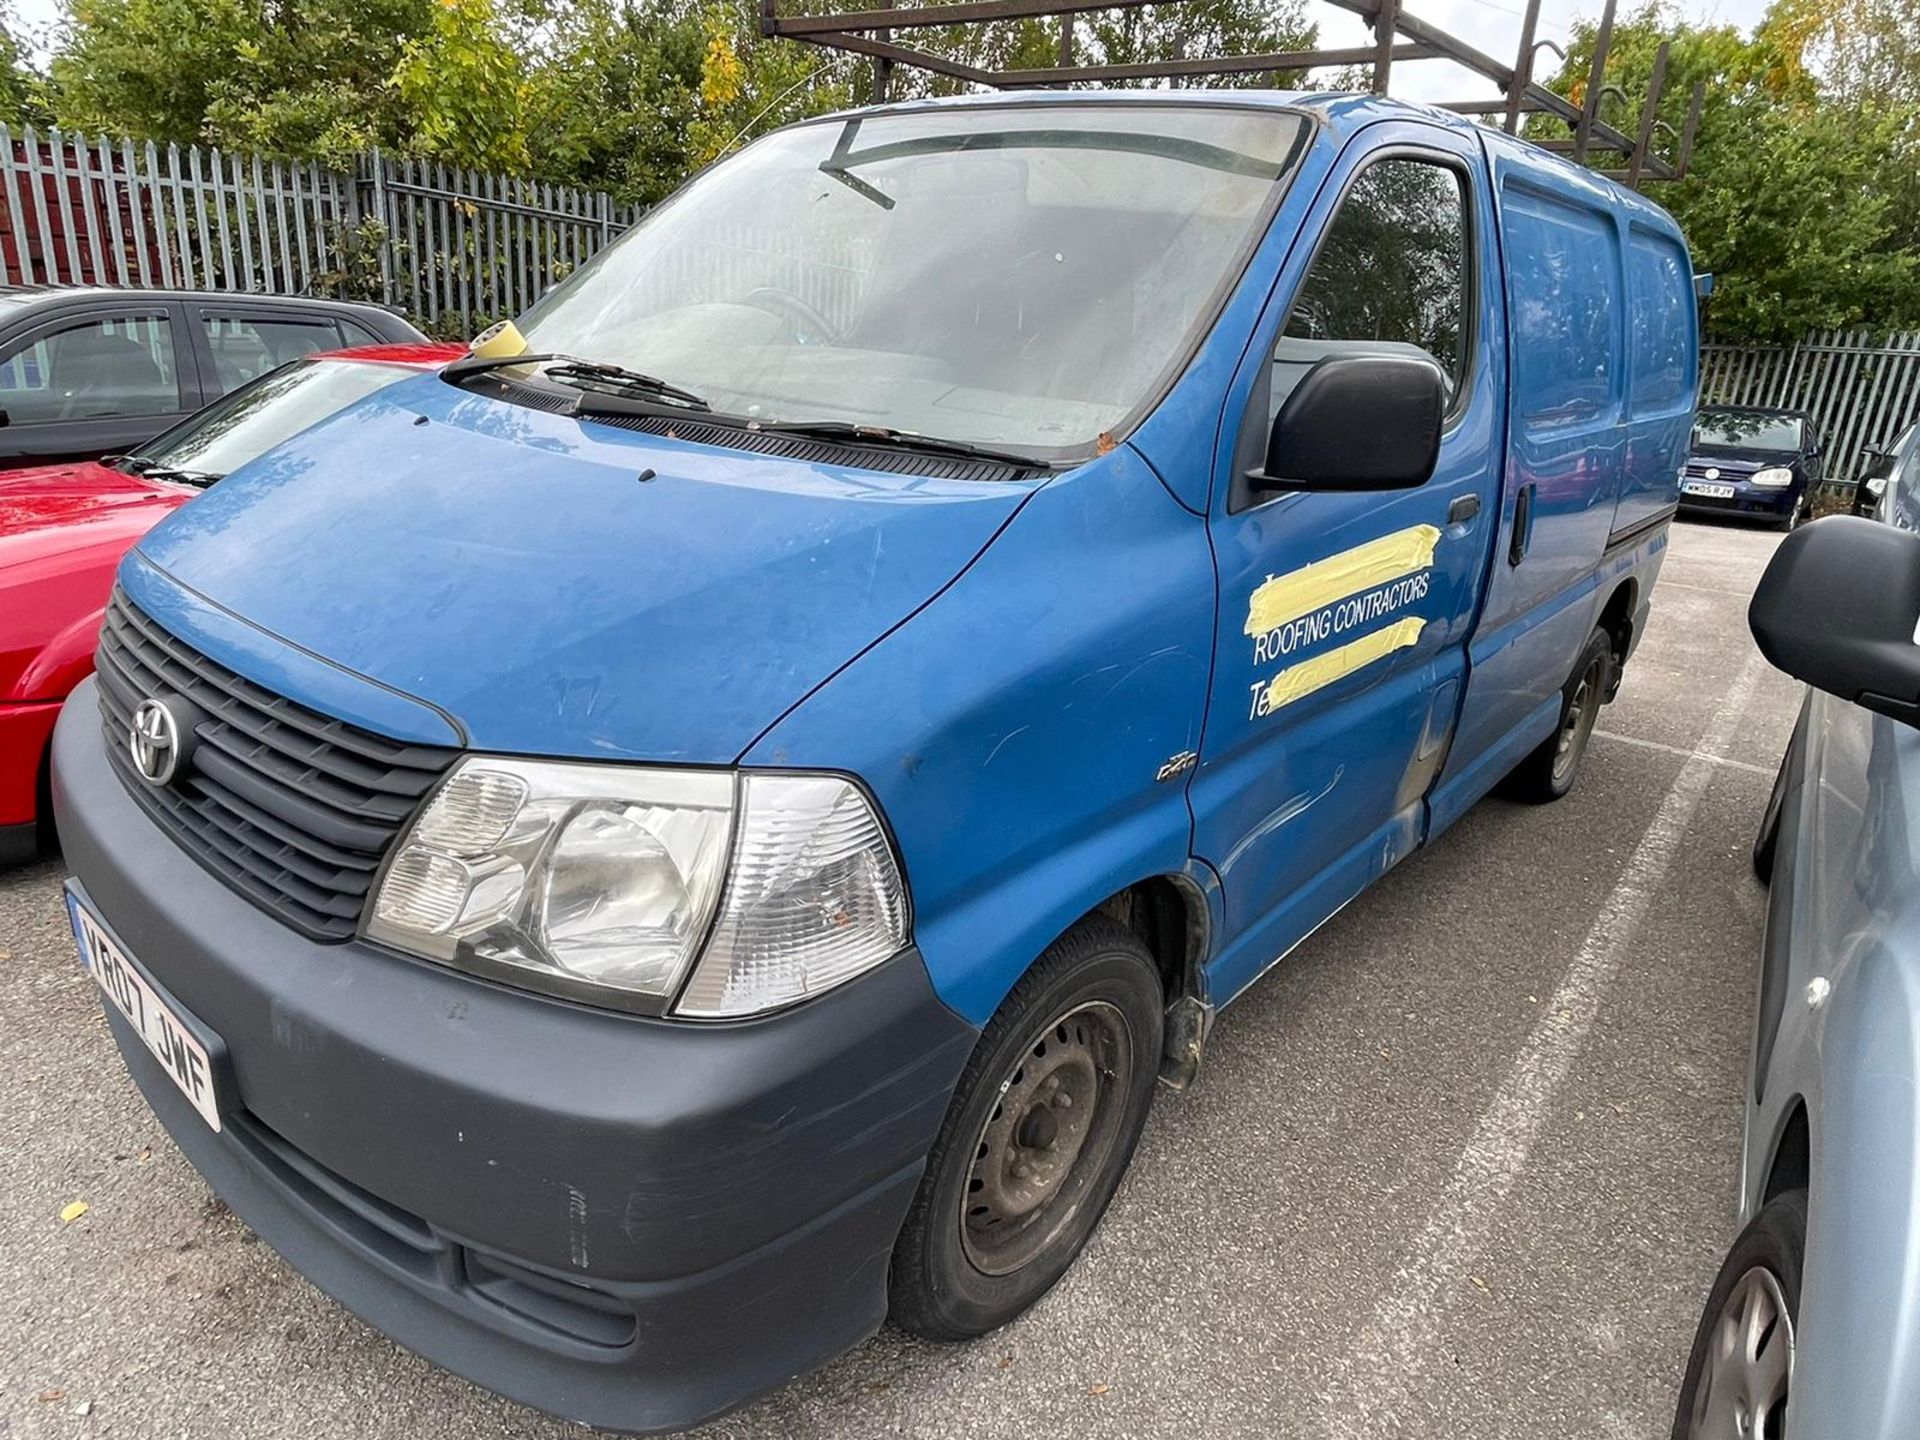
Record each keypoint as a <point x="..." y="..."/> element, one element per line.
<point x="1492" y="26"/>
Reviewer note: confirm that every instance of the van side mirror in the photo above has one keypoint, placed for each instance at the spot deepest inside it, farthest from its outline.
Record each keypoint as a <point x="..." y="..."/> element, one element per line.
<point x="1839" y="607"/>
<point x="1357" y="422"/>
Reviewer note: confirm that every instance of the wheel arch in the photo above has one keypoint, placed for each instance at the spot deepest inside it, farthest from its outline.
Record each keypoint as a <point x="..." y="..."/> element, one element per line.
<point x="1616" y="617"/>
<point x="1790" y="1167"/>
<point x="1171" y="916"/>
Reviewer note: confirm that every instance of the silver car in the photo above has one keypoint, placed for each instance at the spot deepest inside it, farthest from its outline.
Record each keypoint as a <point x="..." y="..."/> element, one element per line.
<point x="1813" y="1325"/>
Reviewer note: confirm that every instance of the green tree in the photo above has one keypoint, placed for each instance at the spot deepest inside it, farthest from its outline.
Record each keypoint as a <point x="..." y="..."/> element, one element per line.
<point x="463" y="90"/>
<point x="24" y="98"/>
<point x="1792" y="197"/>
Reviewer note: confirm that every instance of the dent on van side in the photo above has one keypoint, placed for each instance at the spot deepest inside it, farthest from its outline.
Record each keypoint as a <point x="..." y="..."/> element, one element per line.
<point x="634" y="938"/>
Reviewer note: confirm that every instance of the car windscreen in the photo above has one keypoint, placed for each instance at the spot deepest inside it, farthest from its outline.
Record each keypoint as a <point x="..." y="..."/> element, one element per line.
<point x="1025" y="276"/>
<point x="1747" y="430"/>
<point x="261" y="414"/>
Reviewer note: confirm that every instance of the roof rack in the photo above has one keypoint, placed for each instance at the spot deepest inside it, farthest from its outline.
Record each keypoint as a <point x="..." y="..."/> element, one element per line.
<point x="1398" y="37"/>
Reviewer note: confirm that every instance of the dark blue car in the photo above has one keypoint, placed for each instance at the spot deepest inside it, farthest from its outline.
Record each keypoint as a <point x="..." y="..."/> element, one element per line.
<point x="1758" y="463"/>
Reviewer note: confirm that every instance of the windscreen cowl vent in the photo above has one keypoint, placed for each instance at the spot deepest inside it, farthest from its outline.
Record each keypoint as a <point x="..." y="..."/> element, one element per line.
<point x="805" y="448"/>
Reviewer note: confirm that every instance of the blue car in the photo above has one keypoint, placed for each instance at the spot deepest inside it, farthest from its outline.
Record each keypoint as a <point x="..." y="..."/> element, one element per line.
<point x="703" y="826"/>
<point x="1813" y="1325"/>
<point x="1752" y="462"/>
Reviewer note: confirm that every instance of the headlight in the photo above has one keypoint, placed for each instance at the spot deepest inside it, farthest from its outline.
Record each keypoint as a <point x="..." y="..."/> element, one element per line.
<point x="1774" y="477"/>
<point x="619" y="885"/>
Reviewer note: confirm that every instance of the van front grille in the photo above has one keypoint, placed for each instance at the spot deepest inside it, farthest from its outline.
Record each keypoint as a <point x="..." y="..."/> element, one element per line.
<point x="291" y="808"/>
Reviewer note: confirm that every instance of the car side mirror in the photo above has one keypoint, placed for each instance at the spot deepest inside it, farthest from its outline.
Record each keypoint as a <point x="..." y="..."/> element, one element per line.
<point x="1876" y="464"/>
<point x="1839" y="607"/>
<point x="1357" y="422"/>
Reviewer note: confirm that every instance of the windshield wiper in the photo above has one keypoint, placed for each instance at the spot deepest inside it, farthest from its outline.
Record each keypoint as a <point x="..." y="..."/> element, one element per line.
<point x="198" y="478"/>
<point x="899" y="440"/>
<point x="572" y="368"/>
<point x="150" y="469"/>
<point x="621" y="380"/>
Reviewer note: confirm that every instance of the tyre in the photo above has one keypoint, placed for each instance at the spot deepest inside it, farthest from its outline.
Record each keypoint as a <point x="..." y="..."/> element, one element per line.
<point x="1741" y="1368"/>
<point x="1549" y="772"/>
<point x="1040" y="1130"/>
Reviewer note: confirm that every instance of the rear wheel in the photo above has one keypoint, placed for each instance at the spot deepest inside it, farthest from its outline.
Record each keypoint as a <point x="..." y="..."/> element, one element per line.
<point x="1549" y="772"/>
<point x="1040" y="1130"/>
<point x="1740" y="1372"/>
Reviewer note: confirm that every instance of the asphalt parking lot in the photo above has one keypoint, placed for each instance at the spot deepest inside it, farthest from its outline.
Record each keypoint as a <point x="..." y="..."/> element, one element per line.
<point x="1462" y="1166"/>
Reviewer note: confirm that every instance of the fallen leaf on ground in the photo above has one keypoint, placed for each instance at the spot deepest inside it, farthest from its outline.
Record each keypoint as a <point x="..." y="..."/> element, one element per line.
<point x="47" y="1397"/>
<point x="1481" y="1284"/>
<point x="1098" y="1389"/>
<point x="73" y="1212"/>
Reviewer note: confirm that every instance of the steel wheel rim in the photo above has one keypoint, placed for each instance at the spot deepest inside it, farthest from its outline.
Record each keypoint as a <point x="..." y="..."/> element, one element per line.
<point x="1577" y="727"/>
<point x="1748" y="1371"/>
<point x="1055" y="1121"/>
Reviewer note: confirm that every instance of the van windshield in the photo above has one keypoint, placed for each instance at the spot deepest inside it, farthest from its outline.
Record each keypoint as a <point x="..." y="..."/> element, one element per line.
<point x="1022" y="276"/>
<point x="1747" y="430"/>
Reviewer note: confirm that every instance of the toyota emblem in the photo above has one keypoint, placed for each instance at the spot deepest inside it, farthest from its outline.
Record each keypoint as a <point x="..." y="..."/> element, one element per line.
<point x="154" y="742"/>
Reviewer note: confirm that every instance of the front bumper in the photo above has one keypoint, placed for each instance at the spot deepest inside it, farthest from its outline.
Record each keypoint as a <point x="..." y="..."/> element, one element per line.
<point x="1748" y="500"/>
<point x="630" y="1222"/>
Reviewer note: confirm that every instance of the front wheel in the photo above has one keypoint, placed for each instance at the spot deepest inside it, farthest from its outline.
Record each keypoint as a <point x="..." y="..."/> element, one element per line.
<point x="1740" y="1372"/>
<point x="1549" y="772"/>
<point x="1039" y="1132"/>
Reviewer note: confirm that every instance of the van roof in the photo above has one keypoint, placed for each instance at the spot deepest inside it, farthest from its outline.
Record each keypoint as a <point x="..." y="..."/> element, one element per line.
<point x="1343" y="114"/>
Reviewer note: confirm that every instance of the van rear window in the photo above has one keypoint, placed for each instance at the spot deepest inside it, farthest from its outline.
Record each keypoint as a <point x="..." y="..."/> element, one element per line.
<point x="1661" y="293"/>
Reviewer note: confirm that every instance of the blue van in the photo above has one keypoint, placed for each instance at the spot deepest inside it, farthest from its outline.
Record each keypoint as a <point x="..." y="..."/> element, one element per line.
<point x="698" y="828"/>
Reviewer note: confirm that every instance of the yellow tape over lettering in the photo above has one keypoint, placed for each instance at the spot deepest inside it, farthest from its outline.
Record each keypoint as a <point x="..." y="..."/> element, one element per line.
<point x="1300" y="592"/>
<point x="1300" y="681"/>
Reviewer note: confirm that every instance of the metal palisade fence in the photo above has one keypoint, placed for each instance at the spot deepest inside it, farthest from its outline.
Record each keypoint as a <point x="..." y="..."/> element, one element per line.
<point x="453" y="248"/>
<point x="1860" y="388"/>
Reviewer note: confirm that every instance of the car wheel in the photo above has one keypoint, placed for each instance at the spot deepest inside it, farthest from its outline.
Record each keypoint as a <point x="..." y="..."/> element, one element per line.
<point x="1740" y="1372"/>
<point x="1549" y="772"/>
<point x="1039" y="1132"/>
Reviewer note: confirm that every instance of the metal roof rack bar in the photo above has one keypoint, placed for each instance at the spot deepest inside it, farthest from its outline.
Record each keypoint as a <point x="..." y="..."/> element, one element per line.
<point x="1398" y="36"/>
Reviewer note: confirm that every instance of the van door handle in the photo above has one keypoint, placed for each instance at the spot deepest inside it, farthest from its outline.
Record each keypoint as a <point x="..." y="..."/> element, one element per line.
<point x="1463" y="509"/>
<point x="1522" y="525"/>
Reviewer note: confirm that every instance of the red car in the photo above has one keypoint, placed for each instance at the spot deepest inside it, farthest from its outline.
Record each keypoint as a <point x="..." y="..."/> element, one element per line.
<point x="63" y="529"/>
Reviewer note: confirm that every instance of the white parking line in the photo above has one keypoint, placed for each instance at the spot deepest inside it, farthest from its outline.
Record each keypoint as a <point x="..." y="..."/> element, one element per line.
<point x="1370" y="1391"/>
<point x="1726" y="760"/>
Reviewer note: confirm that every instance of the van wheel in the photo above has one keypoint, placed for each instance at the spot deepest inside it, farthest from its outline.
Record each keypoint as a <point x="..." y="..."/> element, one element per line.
<point x="1041" y="1128"/>
<point x="1741" y="1369"/>
<point x="1549" y="772"/>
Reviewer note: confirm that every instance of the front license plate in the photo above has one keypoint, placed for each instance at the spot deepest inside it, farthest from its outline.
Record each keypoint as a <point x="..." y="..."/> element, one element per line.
<point x="154" y="1021"/>
<point x="1706" y="491"/>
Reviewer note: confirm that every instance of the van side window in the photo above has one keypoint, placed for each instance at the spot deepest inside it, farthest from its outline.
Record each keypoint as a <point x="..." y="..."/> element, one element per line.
<point x="1390" y="278"/>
